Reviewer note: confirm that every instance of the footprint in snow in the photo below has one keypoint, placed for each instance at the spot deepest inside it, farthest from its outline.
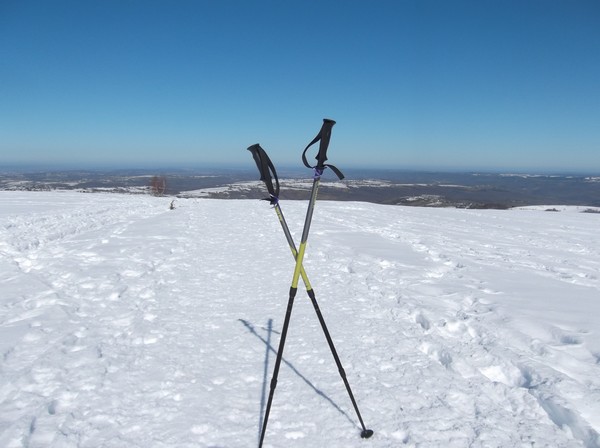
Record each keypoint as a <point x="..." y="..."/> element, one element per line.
<point x="438" y="354"/>
<point x="422" y="321"/>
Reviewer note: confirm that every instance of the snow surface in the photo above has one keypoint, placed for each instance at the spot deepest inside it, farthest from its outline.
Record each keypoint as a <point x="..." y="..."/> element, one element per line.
<point x="126" y="324"/>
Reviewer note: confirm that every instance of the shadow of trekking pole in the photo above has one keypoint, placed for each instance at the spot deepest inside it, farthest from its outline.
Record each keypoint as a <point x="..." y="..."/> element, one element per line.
<point x="269" y="348"/>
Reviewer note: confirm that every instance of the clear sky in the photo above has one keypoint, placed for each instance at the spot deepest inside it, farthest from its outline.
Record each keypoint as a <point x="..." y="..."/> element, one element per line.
<point x="460" y="85"/>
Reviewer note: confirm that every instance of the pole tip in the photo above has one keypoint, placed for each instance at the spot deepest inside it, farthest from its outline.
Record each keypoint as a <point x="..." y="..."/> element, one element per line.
<point x="365" y="434"/>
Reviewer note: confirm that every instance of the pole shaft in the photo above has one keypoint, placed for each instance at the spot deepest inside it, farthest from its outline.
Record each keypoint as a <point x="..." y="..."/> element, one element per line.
<point x="341" y="370"/>
<point x="292" y="245"/>
<point x="286" y="324"/>
<point x="311" y="208"/>
<point x="309" y="213"/>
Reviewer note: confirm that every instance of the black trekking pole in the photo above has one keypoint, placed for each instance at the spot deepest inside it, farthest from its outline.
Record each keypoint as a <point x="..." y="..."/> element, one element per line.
<point x="266" y="167"/>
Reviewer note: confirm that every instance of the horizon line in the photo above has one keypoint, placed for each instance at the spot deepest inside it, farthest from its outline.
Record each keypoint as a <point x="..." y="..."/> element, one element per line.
<point x="237" y="168"/>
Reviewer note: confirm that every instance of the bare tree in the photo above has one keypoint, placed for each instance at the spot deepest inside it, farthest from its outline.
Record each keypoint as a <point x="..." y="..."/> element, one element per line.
<point x="158" y="185"/>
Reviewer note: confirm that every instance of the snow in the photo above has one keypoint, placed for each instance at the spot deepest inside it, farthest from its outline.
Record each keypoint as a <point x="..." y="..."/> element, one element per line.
<point x="126" y="324"/>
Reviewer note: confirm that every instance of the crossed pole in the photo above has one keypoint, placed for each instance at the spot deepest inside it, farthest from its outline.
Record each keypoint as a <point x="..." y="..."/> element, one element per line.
<point x="267" y="173"/>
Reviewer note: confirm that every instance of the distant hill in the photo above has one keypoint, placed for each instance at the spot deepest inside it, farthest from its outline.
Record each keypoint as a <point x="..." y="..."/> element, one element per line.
<point x="463" y="190"/>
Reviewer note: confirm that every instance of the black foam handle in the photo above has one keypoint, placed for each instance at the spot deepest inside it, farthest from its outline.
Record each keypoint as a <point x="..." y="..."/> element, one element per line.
<point x="254" y="149"/>
<point x="325" y="134"/>
<point x="266" y="169"/>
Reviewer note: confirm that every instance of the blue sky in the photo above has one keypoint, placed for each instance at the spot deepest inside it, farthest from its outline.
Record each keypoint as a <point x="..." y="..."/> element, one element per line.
<point x="436" y="85"/>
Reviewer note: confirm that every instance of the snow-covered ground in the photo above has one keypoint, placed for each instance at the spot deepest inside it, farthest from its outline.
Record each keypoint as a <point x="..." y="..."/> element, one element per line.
<point x="126" y="324"/>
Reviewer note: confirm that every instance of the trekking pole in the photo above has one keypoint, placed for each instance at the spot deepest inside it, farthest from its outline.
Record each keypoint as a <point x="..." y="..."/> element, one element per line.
<point x="324" y="136"/>
<point x="265" y="167"/>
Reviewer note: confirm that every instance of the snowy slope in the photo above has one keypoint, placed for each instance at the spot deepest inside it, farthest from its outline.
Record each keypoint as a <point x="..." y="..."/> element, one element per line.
<point x="126" y="324"/>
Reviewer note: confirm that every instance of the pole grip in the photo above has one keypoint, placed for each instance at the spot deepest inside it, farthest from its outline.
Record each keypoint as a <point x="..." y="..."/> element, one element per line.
<point x="323" y="137"/>
<point x="324" y="143"/>
<point x="267" y="171"/>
